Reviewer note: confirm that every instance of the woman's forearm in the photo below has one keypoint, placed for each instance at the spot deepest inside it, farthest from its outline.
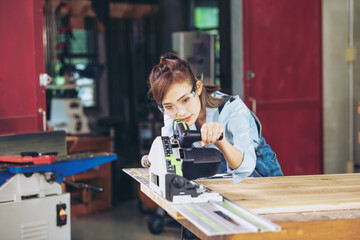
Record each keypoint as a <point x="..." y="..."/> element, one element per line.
<point x="233" y="156"/>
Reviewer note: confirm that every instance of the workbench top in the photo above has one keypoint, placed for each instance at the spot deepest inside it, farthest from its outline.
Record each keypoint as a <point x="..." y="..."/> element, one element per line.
<point x="306" y="207"/>
<point x="292" y="194"/>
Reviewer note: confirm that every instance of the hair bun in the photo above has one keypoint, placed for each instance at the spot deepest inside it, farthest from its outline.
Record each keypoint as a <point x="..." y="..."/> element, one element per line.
<point x="168" y="56"/>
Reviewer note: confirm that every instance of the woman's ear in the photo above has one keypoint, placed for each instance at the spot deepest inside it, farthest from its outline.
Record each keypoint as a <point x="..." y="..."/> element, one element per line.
<point x="199" y="87"/>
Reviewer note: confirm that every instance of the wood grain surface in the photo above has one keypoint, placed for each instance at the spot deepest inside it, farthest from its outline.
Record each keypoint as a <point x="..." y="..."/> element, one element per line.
<point x="292" y="193"/>
<point x="283" y="200"/>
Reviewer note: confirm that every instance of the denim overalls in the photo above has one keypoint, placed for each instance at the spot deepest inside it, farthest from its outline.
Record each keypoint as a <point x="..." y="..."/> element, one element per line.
<point x="267" y="164"/>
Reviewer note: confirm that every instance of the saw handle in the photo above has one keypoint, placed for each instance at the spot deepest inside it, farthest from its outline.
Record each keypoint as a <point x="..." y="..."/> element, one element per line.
<point x="185" y="136"/>
<point x="188" y="137"/>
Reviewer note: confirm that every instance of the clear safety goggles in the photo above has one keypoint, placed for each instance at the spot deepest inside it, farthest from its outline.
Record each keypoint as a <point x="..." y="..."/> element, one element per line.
<point x="184" y="103"/>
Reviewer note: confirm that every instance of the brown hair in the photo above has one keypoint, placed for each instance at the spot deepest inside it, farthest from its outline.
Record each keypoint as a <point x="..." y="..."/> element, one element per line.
<point x="174" y="69"/>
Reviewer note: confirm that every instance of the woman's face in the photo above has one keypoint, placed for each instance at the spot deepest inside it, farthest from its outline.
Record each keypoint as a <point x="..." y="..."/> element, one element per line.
<point x="181" y="102"/>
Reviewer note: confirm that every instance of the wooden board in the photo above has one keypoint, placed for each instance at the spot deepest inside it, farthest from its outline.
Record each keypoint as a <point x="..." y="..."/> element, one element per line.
<point x="315" y="225"/>
<point x="292" y="193"/>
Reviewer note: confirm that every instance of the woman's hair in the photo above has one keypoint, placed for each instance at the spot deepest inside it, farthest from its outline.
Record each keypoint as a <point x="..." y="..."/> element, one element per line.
<point x="173" y="69"/>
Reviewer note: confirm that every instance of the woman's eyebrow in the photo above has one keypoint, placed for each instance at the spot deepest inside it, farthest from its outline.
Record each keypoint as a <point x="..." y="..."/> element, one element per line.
<point x="176" y="100"/>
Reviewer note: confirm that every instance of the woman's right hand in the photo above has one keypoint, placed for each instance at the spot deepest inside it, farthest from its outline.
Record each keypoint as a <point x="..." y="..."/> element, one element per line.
<point x="211" y="132"/>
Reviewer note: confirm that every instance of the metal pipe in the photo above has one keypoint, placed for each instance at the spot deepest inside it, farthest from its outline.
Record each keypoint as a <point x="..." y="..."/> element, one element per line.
<point x="351" y="84"/>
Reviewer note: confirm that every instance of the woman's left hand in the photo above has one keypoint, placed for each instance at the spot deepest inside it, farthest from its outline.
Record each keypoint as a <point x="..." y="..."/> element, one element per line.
<point x="211" y="132"/>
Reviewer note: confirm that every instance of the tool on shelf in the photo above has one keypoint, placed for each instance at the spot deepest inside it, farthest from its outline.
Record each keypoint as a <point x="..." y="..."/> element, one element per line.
<point x="84" y="186"/>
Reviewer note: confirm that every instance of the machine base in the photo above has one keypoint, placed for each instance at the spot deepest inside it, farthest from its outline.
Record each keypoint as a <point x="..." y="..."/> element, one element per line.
<point x="36" y="218"/>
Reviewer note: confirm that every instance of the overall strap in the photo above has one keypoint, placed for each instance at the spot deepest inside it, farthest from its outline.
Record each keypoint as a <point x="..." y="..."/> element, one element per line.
<point x="257" y="121"/>
<point x="232" y="98"/>
<point x="227" y="98"/>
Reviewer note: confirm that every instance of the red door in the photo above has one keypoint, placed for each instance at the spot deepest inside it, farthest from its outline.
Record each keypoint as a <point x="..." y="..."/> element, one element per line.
<point x="282" y="63"/>
<point x="21" y="62"/>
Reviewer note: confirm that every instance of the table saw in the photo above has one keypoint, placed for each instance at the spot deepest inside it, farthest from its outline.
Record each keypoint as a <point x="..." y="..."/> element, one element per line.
<point x="32" y="204"/>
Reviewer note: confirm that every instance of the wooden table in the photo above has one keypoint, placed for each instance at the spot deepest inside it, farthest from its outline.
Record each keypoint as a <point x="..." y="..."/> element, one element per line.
<point x="306" y="207"/>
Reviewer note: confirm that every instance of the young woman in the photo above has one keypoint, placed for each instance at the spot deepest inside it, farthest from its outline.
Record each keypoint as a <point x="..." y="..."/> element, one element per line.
<point x="179" y="94"/>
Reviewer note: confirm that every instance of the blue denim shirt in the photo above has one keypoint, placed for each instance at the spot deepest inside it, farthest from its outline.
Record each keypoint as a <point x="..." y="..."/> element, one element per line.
<point x="240" y="130"/>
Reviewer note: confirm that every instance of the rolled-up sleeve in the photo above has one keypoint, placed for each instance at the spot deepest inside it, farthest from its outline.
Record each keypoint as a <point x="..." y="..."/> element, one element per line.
<point x="238" y="128"/>
<point x="167" y="130"/>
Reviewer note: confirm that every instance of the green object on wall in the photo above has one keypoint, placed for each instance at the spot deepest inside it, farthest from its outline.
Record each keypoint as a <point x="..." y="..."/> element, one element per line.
<point x="206" y="17"/>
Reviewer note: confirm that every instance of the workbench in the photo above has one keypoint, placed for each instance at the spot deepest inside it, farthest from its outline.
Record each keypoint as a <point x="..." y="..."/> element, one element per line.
<point x="306" y="207"/>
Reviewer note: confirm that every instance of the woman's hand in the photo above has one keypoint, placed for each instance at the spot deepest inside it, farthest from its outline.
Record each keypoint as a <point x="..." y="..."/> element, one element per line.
<point x="211" y="132"/>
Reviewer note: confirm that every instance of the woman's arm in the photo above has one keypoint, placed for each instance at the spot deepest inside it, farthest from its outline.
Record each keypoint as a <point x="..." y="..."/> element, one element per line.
<point x="233" y="156"/>
<point x="210" y="133"/>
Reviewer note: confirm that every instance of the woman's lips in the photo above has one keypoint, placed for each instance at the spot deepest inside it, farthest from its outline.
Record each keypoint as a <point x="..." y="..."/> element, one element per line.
<point x="187" y="119"/>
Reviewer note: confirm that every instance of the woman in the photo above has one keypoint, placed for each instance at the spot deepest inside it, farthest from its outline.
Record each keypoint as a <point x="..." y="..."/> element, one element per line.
<point x="179" y="94"/>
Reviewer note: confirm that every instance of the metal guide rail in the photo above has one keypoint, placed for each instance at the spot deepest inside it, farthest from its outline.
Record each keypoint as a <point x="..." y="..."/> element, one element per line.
<point x="214" y="218"/>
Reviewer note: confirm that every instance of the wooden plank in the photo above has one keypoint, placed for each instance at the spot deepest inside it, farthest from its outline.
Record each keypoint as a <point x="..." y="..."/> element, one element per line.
<point x="161" y="202"/>
<point x="293" y="193"/>
<point x="314" y="230"/>
<point x="142" y="176"/>
<point x="329" y="224"/>
<point x="313" y="216"/>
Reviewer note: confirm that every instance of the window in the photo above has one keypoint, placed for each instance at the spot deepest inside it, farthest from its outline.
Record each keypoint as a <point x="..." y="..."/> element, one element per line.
<point x="206" y="19"/>
<point x="72" y="57"/>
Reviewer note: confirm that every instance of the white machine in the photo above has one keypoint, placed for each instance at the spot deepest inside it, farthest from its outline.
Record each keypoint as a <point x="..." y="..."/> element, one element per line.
<point x="67" y="114"/>
<point x="32" y="204"/>
<point x="32" y="208"/>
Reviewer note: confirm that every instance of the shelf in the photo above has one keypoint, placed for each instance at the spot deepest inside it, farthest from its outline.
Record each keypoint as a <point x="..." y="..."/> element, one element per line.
<point x="85" y="202"/>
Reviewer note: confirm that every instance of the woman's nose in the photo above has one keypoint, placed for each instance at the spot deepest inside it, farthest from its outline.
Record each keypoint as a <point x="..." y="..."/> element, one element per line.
<point x="181" y="111"/>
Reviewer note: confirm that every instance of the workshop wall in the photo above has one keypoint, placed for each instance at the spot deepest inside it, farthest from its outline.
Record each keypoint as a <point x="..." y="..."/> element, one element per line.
<point x="340" y="137"/>
<point x="22" y="95"/>
<point x="173" y="16"/>
<point x="356" y="89"/>
<point x="132" y="35"/>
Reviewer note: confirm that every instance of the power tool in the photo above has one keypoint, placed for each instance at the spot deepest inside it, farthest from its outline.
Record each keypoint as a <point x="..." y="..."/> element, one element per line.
<point x="174" y="163"/>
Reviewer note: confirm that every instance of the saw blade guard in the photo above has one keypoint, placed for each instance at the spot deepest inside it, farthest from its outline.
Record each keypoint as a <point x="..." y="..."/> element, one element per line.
<point x="200" y="162"/>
